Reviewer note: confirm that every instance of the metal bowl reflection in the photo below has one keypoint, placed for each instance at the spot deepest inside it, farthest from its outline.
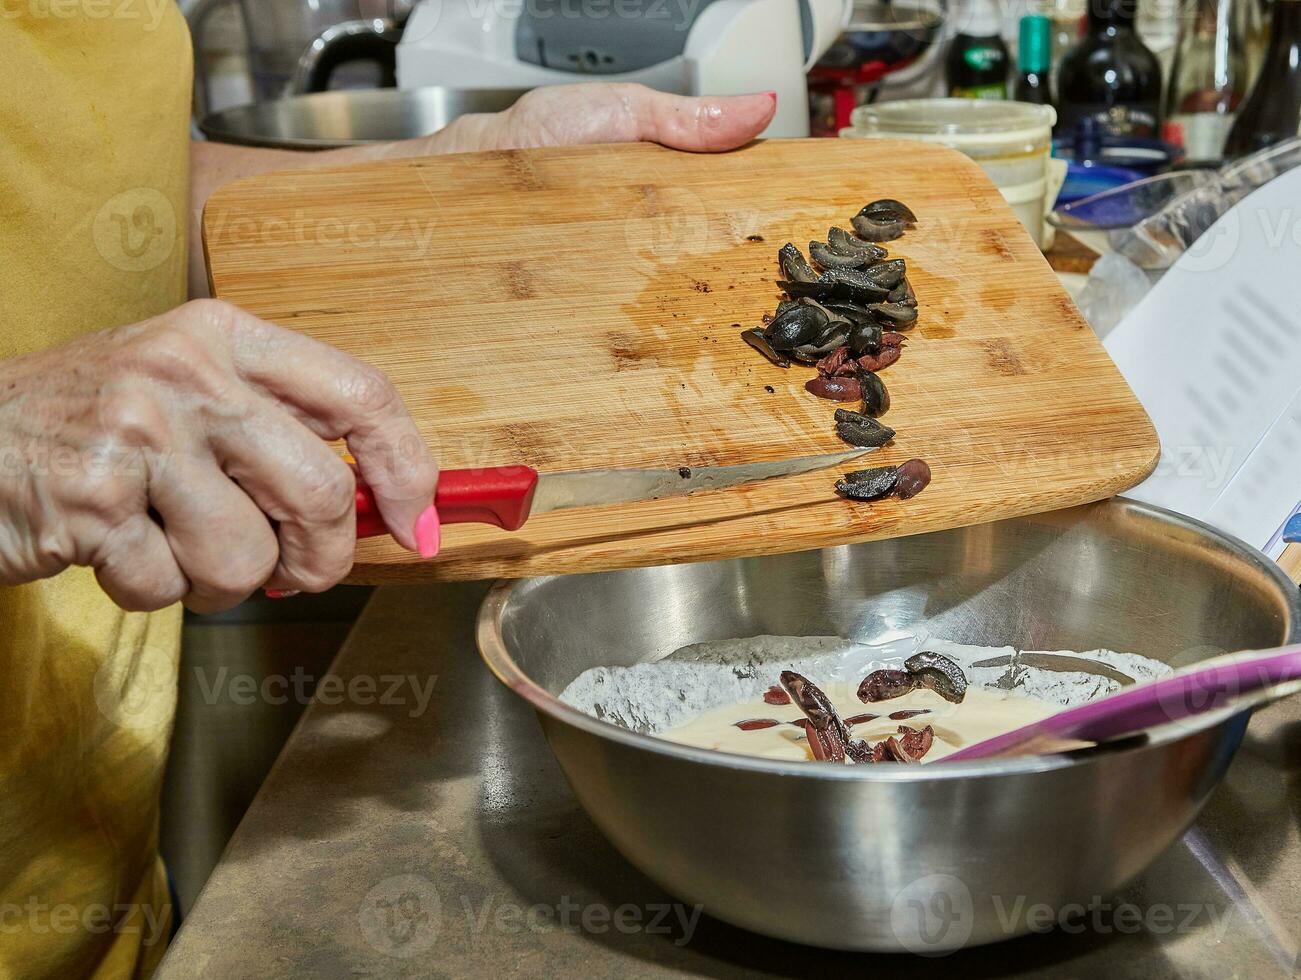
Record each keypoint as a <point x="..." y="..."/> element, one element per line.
<point x="924" y="859"/>
<point x="325" y="120"/>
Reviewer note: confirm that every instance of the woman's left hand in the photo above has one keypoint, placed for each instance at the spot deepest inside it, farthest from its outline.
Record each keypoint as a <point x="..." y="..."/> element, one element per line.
<point x="554" y="115"/>
<point x="594" y="112"/>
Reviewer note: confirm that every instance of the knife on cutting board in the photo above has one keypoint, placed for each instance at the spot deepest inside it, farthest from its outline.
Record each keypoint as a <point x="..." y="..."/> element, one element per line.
<point x="508" y="495"/>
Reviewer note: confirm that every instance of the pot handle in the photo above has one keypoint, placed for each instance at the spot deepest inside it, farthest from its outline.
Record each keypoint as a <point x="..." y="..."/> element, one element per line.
<point x="352" y="40"/>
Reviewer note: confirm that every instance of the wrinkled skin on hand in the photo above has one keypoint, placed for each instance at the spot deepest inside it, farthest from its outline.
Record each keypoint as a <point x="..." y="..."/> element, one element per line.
<point x="566" y="115"/>
<point x="184" y="458"/>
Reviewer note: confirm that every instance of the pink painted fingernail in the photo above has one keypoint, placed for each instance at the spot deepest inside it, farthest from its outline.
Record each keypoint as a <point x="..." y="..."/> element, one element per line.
<point x="428" y="532"/>
<point x="772" y="95"/>
<point x="280" y="593"/>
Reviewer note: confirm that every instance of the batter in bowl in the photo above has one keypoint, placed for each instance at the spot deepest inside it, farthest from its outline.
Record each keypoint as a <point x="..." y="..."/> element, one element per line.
<point x="982" y="714"/>
<point x="698" y="694"/>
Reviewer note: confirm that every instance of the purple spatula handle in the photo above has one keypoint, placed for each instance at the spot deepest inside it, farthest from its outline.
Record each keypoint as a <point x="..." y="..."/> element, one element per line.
<point x="1218" y="684"/>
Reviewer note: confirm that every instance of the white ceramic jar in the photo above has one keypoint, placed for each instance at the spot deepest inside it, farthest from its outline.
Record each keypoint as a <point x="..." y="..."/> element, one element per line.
<point x="1010" y="141"/>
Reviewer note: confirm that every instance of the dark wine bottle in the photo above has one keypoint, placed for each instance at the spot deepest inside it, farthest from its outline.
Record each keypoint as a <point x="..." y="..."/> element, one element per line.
<point x="1034" y="58"/>
<point x="977" y="63"/>
<point x="1110" y="75"/>
<point x="1272" y="112"/>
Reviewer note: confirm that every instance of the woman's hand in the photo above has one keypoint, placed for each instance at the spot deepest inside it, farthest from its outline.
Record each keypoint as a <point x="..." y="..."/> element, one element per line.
<point x="564" y="115"/>
<point x="554" y="115"/>
<point x="183" y="458"/>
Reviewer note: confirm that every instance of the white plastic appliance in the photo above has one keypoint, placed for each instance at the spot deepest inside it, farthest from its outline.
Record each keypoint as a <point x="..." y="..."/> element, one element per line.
<point x="692" y="47"/>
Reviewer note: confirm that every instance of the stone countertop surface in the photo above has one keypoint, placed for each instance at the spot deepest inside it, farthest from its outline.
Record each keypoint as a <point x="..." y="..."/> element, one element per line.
<point x="417" y="831"/>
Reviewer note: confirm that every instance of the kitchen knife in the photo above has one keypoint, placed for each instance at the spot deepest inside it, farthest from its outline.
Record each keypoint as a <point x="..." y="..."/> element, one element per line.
<point x="508" y="495"/>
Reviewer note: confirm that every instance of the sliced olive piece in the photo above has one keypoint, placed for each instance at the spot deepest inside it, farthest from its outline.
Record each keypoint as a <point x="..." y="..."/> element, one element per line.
<point x="819" y="289"/>
<point x="876" y="231"/>
<point x="867" y="484"/>
<point x="883" y="685"/>
<point x="914" y="477"/>
<point x="939" y="674"/>
<point x="825" y="724"/>
<point x="839" y="240"/>
<point x="861" y="430"/>
<point x="887" y="274"/>
<point x="902" y="293"/>
<point x="756" y="339"/>
<point x="833" y="315"/>
<point x="876" y="399"/>
<point x="865" y="338"/>
<point x="822" y="254"/>
<point x="832" y="337"/>
<point x="888" y="209"/>
<point x="795" y="326"/>
<point x="793" y="264"/>
<point x="900" y="314"/>
<point x="852" y="312"/>
<point x="855" y="285"/>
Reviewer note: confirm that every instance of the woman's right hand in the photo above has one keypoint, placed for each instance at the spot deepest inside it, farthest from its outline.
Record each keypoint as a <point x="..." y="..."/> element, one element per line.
<point x="183" y="458"/>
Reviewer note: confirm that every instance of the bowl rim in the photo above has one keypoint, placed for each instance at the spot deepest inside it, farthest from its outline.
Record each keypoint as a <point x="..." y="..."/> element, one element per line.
<point x="492" y="649"/>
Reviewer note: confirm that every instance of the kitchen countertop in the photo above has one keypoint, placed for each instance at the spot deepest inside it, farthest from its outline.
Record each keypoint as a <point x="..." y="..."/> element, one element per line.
<point x="404" y="836"/>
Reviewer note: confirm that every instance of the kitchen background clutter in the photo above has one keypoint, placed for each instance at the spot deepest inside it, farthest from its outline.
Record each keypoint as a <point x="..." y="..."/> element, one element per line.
<point x="1163" y="81"/>
<point x="1138" y="87"/>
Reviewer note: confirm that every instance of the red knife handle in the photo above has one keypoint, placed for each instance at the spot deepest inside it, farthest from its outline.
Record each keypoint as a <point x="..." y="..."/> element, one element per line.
<point x="500" y="495"/>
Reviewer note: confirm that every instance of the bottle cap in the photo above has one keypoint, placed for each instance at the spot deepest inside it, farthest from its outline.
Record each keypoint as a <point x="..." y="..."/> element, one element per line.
<point x="982" y="18"/>
<point x="1034" y="50"/>
<point x="1113" y="11"/>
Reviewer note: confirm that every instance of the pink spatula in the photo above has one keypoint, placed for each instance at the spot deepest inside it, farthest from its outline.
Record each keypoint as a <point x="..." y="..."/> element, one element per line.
<point x="1237" y="681"/>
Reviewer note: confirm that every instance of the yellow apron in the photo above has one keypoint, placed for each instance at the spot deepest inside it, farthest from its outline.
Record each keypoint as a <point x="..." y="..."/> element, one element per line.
<point x="94" y="115"/>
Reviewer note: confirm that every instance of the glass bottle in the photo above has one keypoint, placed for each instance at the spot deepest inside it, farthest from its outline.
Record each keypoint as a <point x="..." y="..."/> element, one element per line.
<point x="1110" y="75"/>
<point x="1273" y="109"/>
<point x="1207" y="81"/>
<point x="1034" y="59"/>
<point x="1069" y="18"/>
<point x="1253" y="27"/>
<point x="977" y="63"/>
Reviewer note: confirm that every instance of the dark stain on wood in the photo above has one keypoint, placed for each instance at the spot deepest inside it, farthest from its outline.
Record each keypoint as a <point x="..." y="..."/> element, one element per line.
<point x="996" y="243"/>
<point x="650" y="194"/>
<point x="518" y="282"/>
<point x="533" y="441"/>
<point x="1002" y="358"/>
<point x="523" y="174"/>
<point x="1070" y="313"/>
<point x="630" y="354"/>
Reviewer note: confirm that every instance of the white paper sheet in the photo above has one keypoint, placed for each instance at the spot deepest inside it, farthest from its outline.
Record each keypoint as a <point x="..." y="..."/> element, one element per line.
<point x="1214" y="354"/>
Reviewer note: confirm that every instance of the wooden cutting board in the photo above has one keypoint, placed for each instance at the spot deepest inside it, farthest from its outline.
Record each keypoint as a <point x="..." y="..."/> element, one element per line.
<point x="581" y="307"/>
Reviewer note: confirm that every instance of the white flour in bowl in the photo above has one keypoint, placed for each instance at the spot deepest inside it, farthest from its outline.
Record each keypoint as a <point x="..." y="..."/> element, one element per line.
<point x="654" y="697"/>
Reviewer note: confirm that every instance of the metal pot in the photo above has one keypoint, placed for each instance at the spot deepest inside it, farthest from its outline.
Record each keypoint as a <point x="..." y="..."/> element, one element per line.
<point x="331" y="119"/>
<point x="296" y="46"/>
<point x="930" y="858"/>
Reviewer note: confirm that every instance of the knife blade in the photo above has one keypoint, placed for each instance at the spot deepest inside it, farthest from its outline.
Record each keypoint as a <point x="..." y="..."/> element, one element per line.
<point x="507" y="496"/>
<point x="591" y="488"/>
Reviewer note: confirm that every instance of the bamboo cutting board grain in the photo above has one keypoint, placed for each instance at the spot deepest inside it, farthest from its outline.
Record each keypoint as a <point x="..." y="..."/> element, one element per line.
<point x="580" y="307"/>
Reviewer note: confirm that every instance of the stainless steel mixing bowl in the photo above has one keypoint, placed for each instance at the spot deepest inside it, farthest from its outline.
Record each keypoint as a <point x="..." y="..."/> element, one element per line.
<point x="928" y="858"/>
